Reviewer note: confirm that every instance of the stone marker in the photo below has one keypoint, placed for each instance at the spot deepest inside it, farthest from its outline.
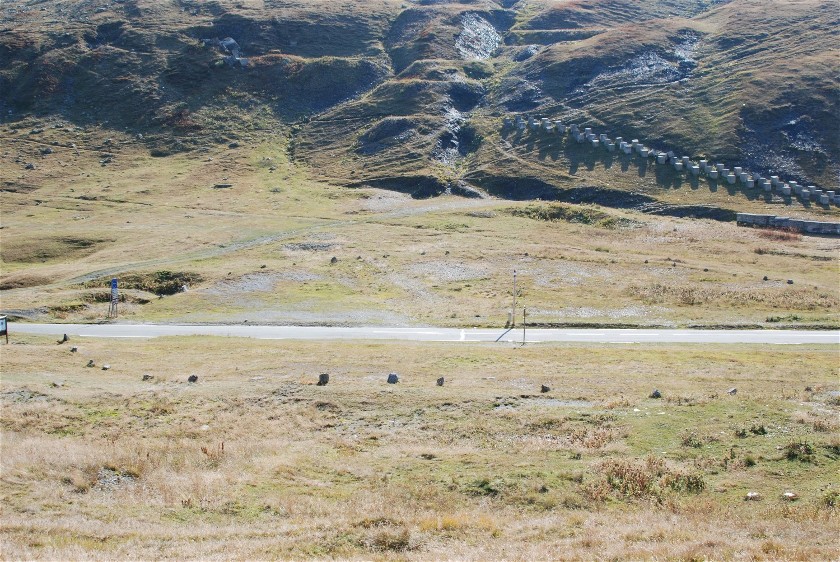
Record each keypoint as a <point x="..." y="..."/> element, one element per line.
<point x="192" y="378"/>
<point x="90" y="363"/>
<point x="790" y="496"/>
<point x="323" y="379"/>
<point x="105" y="367"/>
<point x="732" y="391"/>
<point x="440" y="381"/>
<point x="656" y="394"/>
<point x="544" y="389"/>
<point x="752" y="496"/>
<point x="393" y="378"/>
<point x="74" y="349"/>
<point x="147" y="377"/>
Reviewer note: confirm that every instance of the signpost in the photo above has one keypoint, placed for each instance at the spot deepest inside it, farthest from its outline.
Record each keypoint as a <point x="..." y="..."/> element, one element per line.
<point x="4" y="328"/>
<point x="115" y="298"/>
<point x="513" y="308"/>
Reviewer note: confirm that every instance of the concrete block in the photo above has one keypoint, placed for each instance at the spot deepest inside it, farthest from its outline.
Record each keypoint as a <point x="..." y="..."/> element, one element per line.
<point x="805" y="194"/>
<point x="545" y="123"/>
<point x="602" y="137"/>
<point x="559" y="127"/>
<point x="627" y="149"/>
<point x="678" y="166"/>
<point x="786" y="190"/>
<point x="719" y="167"/>
<point x="595" y="143"/>
<point x="750" y="184"/>
<point x="743" y="176"/>
<point x="611" y="146"/>
<point x="574" y="129"/>
<point x="774" y="180"/>
<point x="766" y="185"/>
<point x="661" y="158"/>
<point x="618" y="140"/>
<point x="686" y="160"/>
<point x="507" y="123"/>
<point x="824" y="200"/>
<point x="695" y="170"/>
<point x="738" y="170"/>
<point x="730" y="179"/>
<point x="712" y="173"/>
<point x="704" y="164"/>
<point x="670" y="154"/>
<point x="643" y="152"/>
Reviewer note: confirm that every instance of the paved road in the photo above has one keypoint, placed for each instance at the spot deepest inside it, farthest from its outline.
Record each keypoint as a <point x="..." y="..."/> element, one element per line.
<point x="790" y="337"/>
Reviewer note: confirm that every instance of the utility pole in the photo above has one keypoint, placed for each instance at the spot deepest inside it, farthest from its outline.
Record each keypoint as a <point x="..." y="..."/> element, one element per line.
<point x="513" y="309"/>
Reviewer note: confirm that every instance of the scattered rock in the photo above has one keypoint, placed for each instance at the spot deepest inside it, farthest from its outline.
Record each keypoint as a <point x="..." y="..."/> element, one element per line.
<point x="64" y="339"/>
<point x="393" y="378"/>
<point x="74" y="349"/>
<point x="147" y="377"/>
<point x="29" y="166"/>
<point x="323" y="379"/>
<point x="222" y="186"/>
<point x="809" y="389"/>
<point x="440" y="381"/>
<point x="90" y="363"/>
<point x="105" y="367"/>
<point x="732" y="391"/>
<point x="752" y="496"/>
<point x="790" y="281"/>
<point x="705" y="269"/>
<point x="192" y="378"/>
<point x="656" y="394"/>
<point x="790" y="496"/>
<point x="334" y="260"/>
<point x="46" y="151"/>
<point x="233" y="145"/>
<point x="766" y="278"/>
<point x="544" y="389"/>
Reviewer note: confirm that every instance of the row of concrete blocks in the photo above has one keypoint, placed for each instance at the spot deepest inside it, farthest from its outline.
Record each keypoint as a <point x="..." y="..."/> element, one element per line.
<point x="811" y="227"/>
<point x="717" y="171"/>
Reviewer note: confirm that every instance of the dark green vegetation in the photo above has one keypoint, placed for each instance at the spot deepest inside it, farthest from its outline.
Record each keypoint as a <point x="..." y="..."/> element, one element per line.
<point x="410" y="95"/>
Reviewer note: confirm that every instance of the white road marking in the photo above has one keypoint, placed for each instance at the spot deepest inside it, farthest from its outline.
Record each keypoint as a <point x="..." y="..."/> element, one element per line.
<point x="463" y="335"/>
<point x="109" y="336"/>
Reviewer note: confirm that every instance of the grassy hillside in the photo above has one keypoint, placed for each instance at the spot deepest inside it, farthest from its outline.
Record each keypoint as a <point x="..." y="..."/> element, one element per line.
<point x="133" y="147"/>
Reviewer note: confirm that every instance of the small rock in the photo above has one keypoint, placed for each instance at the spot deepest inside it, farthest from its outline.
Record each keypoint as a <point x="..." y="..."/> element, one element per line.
<point x="64" y="339"/>
<point x="732" y="391"/>
<point x="192" y="378"/>
<point x="656" y="394"/>
<point x="440" y="381"/>
<point x="323" y="379"/>
<point x="752" y="496"/>
<point x="393" y="378"/>
<point x="90" y="363"/>
<point x="334" y="260"/>
<point x="46" y="151"/>
<point x="147" y="377"/>
<point x="766" y="278"/>
<point x="233" y="145"/>
<point x="74" y="349"/>
<point x="790" y="496"/>
<point x="790" y="281"/>
<point x="105" y="367"/>
<point x="29" y="166"/>
<point x="544" y="389"/>
<point x="809" y="389"/>
<point x="705" y="269"/>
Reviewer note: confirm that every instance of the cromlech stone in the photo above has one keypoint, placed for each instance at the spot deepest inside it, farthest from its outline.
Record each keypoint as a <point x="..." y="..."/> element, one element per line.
<point x="74" y="349"/>
<point x="393" y="378"/>
<point x="147" y="377"/>
<point x="656" y="394"/>
<point x="192" y="378"/>
<point x="732" y="391"/>
<point x="105" y="367"/>
<point x="334" y="260"/>
<point x="64" y="339"/>
<point x="323" y="379"/>
<point x="90" y="363"/>
<point x="440" y="381"/>
<point x="544" y="389"/>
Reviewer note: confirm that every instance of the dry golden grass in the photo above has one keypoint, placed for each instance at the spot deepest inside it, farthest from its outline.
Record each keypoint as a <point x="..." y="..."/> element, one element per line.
<point x="255" y="461"/>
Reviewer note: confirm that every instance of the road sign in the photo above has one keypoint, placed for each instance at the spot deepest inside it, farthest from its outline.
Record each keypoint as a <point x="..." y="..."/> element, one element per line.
<point x="115" y="298"/>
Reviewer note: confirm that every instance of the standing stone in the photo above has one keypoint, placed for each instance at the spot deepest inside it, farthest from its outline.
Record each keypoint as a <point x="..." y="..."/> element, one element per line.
<point x="732" y="391"/>
<point x="393" y="378"/>
<point x="656" y="394"/>
<point x="323" y="379"/>
<point x="192" y="378"/>
<point x="440" y="381"/>
<point x="544" y="389"/>
<point x="90" y="364"/>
